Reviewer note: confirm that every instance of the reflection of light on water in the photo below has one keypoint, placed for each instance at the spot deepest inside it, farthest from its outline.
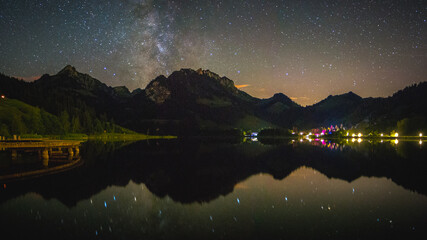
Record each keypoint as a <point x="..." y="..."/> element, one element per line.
<point x="382" y="141"/>
<point x="396" y="141"/>
<point x="353" y="140"/>
<point x="359" y="140"/>
<point x="254" y="139"/>
<point x="421" y="142"/>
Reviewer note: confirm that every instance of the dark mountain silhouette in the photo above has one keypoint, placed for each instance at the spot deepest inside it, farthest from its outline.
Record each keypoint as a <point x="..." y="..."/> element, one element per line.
<point x="380" y="114"/>
<point x="333" y="110"/>
<point x="189" y="101"/>
<point x="84" y="101"/>
<point x="279" y="109"/>
<point x="277" y="103"/>
<point x="203" y="99"/>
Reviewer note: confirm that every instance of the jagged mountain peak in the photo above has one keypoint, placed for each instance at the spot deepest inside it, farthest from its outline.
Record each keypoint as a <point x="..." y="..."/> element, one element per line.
<point x="68" y="71"/>
<point x="70" y="78"/>
<point x="208" y="73"/>
<point x="188" y="72"/>
<point x="157" y="90"/>
<point x="196" y="83"/>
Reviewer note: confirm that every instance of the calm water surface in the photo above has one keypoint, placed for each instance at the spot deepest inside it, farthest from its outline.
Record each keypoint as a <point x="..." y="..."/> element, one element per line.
<point x="205" y="190"/>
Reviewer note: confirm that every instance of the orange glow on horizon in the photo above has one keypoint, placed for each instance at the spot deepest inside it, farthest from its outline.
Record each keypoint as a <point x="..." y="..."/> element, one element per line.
<point x="242" y="86"/>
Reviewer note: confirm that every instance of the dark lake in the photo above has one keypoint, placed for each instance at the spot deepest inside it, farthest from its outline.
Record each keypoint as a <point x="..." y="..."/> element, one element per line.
<point x="199" y="189"/>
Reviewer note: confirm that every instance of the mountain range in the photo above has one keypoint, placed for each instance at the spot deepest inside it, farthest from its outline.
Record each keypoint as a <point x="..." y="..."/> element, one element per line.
<point x="190" y="101"/>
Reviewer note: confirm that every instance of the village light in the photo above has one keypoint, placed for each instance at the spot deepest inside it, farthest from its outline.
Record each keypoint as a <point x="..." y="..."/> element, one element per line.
<point x="359" y="135"/>
<point x="381" y="134"/>
<point x="421" y="134"/>
<point x="396" y="134"/>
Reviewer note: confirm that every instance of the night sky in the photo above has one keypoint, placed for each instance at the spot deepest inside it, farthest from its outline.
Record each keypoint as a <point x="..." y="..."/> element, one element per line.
<point x="306" y="49"/>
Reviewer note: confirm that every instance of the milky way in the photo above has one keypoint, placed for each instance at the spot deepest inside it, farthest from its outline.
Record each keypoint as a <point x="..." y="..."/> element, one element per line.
<point x="305" y="49"/>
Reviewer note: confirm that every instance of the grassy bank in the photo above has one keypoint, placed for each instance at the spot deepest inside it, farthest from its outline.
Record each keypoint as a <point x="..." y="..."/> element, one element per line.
<point x="103" y="136"/>
<point x="125" y="136"/>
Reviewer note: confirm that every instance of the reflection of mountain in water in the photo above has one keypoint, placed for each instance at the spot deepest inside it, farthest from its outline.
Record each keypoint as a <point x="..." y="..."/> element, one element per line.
<point x="194" y="171"/>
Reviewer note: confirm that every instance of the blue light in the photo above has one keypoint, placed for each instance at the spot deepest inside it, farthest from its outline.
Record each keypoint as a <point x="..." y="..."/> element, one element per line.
<point x="105" y="204"/>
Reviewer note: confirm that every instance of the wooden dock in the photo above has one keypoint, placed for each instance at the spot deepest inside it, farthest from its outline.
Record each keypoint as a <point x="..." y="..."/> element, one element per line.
<point x="39" y="144"/>
<point x="65" y="152"/>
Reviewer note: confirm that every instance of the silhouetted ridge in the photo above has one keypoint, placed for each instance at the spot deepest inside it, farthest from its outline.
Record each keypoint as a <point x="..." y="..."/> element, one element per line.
<point x="189" y="100"/>
<point x="68" y="71"/>
<point x="188" y="83"/>
<point x="280" y="97"/>
<point x="340" y="99"/>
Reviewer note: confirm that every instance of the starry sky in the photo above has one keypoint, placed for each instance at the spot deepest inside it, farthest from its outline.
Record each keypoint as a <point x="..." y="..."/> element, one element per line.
<point x="306" y="49"/>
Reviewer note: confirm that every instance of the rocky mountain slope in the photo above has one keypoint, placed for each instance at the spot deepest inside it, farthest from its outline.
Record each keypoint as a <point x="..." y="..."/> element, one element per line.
<point x="189" y="100"/>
